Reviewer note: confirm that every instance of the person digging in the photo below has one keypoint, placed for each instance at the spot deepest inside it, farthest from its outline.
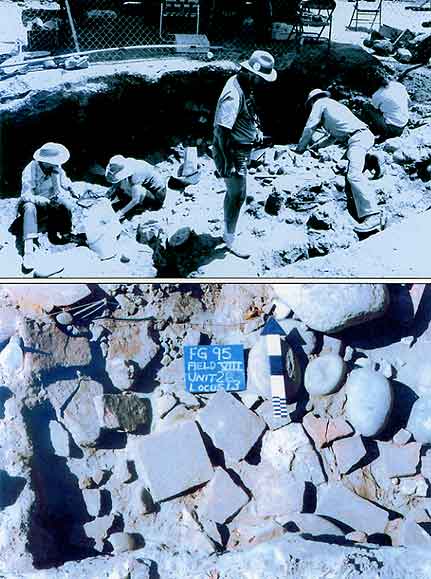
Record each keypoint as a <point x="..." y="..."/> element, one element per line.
<point x="345" y="128"/>
<point x="236" y="130"/>
<point x="45" y="202"/>
<point x="136" y="186"/>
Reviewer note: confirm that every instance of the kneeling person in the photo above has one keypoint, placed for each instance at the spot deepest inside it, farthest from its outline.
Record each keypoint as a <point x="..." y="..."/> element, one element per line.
<point x="45" y="199"/>
<point x="136" y="185"/>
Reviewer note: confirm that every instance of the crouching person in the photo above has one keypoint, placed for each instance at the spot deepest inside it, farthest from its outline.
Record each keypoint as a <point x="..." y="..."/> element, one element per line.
<point x="136" y="186"/>
<point x="45" y="200"/>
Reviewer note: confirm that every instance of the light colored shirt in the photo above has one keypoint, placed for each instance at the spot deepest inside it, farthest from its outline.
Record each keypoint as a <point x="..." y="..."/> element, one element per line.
<point x="393" y="102"/>
<point x="233" y="113"/>
<point x="36" y="182"/>
<point x="334" y="117"/>
<point x="144" y="175"/>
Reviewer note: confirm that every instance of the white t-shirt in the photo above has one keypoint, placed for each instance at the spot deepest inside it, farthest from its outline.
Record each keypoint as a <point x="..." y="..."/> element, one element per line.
<point x="393" y="102"/>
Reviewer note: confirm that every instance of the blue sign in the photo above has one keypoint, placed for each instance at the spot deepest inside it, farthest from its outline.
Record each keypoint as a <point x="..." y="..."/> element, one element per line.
<point x="212" y="368"/>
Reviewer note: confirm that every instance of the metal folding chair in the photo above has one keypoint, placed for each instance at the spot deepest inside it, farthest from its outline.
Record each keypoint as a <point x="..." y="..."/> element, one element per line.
<point x="313" y="18"/>
<point x="187" y="9"/>
<point x="364" y="13"/>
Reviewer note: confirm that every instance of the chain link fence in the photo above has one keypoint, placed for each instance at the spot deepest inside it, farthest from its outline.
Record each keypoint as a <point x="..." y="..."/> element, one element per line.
<point x="122" y="30"/>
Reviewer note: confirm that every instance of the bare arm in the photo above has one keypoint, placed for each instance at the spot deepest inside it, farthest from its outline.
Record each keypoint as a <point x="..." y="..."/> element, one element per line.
<point x="138" y="194"/>
<point x="224" y="140"/>
<point x="314" y="121"/>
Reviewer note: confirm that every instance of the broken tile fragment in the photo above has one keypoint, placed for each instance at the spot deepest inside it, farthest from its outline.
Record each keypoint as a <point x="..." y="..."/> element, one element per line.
<point x="279" y="494"/>
<point x="59" y="438"/>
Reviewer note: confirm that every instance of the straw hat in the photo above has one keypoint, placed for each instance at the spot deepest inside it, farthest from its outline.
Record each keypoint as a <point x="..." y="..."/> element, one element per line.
<point x="52" y="153"/>
<point x="118" y="168"/>
<point x="317" y="92"/>
<point x="262" y="64"/>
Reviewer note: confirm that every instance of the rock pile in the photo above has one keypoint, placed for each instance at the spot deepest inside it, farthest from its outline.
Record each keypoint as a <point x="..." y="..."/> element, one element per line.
<point x="91" y="467"/>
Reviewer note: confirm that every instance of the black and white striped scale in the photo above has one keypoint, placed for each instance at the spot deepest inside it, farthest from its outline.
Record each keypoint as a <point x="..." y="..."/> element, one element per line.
<point x="273" y="332"/>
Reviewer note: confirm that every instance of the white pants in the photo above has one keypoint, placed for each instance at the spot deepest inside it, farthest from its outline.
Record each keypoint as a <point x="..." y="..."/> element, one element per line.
<point x="357" y="148"/>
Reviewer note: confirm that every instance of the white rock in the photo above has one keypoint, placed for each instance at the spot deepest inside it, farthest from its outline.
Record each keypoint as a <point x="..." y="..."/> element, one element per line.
<point x="419" y="423"/>
<point x="282" y="311"/>
<point x="330" y="308"/>
<point x="123" y="542"/>
<point x="324" y="374"/>
<point x="369" y="401"/>
<point x="93" y="501"/>
<point x="59" y="438"/>
<point x="12" y="356"/>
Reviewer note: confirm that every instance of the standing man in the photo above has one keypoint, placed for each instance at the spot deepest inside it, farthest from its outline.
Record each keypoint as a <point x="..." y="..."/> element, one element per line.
<point x="135" y="186"/>
<point x="236" y="130"/>
<point x="344" y="127"/>
<point x="45" y="199"/>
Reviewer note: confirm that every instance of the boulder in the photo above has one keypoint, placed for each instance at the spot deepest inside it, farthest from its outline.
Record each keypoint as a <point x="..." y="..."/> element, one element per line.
<point x="340" y="504"/>
<point x="45" y="295"/>
<point x="324" y="375"/>
<point x="80" y="416"/>
<point x="221" y="499"/>
<point x="383" y="47"/>
<point x="173" y="461"/>
<point x="231" y="426"/>
<point x="330" y="308"/>
<point x="369" y="401"/>
<point x="122" y="411"/>
<point x="12" y="357"/>
<point x="419" y="423"/>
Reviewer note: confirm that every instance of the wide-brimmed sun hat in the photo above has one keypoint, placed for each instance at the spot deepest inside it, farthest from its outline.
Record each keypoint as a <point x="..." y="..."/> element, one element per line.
<point x="52" y="153"/>
<point x="262" y="64"/>
<point x="118" y="168"/>
<point x="317" y="92"/>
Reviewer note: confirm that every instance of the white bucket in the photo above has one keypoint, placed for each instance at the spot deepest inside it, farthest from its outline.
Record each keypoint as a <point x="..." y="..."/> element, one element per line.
<point x="102" y="228"/>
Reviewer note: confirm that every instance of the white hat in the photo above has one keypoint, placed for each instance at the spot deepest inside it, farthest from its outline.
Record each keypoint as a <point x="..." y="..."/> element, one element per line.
<point x="52" y="153"/>
<point x="317" y="92"/>
<point x="118" y="168"/>
<point x="262" y="64"/>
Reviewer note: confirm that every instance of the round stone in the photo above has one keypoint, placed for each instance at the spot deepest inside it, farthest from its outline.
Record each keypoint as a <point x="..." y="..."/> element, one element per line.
<point x="419" y="423"/>
<point x="64" y="318"/>
<point x="324" y="375"/>
<point x="369" y="401"/>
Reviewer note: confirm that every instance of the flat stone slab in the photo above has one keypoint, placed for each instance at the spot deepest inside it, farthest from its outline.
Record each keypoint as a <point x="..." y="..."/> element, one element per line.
<point x="173" y="461"/>
<point x="339" y="503"/>
<point x="278" y="493"/>
<point x="400" y="461"/>
<point x="222" y="498"/>
<point x="232" y="427"/>
<point x="80" y="416"/>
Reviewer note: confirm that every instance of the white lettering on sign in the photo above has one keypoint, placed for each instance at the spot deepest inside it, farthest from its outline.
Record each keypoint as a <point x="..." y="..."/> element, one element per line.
<point x="211" y="368"/>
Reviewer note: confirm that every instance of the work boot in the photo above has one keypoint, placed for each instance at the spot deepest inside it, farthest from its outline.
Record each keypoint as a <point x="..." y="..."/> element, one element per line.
<point x="370" y="223"/>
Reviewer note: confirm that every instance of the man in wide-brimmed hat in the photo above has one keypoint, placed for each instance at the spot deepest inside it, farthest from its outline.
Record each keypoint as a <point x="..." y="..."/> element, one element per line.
<point x="236" y="130"/>
<point x="46" y="199"/>
<point x="135" y="185"/>
<point x="344" y="127"/>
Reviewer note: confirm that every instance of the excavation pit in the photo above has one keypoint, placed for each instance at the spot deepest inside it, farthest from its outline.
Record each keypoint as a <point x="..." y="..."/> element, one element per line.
<point x="154" y="109"/>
